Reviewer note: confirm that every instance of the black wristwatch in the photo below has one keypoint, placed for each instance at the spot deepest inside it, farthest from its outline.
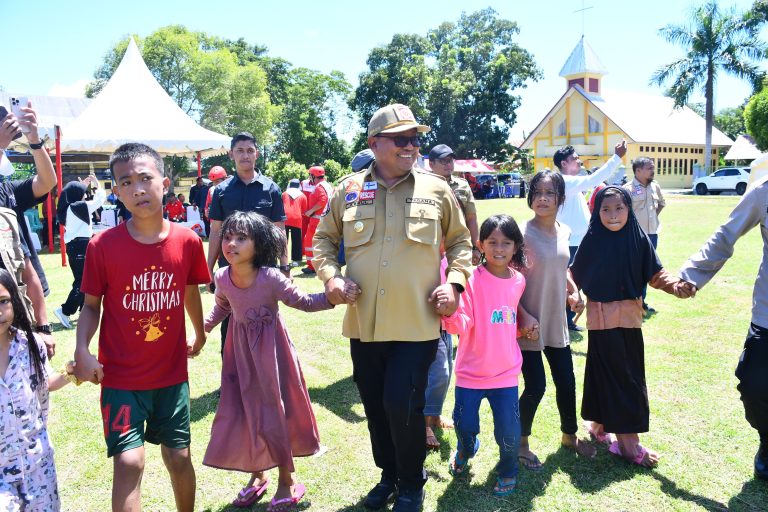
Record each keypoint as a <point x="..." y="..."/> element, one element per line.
<point x="44" y="329"/>
<point x="285" y="268"/>
<point x="39" y="145"/>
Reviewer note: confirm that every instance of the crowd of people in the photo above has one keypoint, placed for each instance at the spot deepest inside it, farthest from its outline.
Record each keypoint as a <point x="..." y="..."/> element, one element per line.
<point x="402" y="248"/>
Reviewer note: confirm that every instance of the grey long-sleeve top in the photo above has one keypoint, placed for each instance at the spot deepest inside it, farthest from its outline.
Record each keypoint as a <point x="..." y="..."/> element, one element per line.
<point x="702" y="266"/>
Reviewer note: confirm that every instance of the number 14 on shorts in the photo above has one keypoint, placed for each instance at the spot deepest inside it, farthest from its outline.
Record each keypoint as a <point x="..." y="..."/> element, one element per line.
<point x="121" y="421"/>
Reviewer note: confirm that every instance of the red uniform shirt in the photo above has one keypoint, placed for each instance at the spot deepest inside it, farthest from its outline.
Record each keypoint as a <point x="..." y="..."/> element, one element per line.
<point x="294" y="209"/>
<point x="142" y="341"/>
<point x="175" y="211"/>
<point x="319" y="196"/>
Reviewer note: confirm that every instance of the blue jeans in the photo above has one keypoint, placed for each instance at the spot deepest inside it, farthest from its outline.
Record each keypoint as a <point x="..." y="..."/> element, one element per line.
<point x="655" y="242"/>
<point x="506" y="424"/>
<point x="439" y="376"/>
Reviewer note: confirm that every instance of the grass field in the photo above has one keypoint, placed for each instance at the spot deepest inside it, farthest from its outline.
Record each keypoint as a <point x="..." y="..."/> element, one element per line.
<point x="697" y="419"/>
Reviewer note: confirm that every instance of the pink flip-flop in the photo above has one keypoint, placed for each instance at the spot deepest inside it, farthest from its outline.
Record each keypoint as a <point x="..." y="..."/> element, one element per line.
<point x="250" y="495"/>
<point x="641" y="454"/>
<point x="286" y="504"/>
<point x="603" y="437"/>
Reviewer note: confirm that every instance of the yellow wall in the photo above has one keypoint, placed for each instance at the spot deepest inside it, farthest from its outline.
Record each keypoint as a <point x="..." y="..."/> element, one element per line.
<point x="674" y="163"/>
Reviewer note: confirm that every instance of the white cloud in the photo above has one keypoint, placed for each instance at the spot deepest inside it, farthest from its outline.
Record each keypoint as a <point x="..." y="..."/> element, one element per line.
<point x="73" y="90"/>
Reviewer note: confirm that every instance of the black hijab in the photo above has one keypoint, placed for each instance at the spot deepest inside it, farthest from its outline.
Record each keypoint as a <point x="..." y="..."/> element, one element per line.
<point x="614" y="265"/>
<point x="72" y="196"/>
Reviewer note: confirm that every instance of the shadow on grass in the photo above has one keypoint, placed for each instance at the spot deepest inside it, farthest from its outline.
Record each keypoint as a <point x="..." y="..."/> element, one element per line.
<point x="339" y="398"/>
<point x="304" y="504"/>
<point x="203" y="405"/>
<point x="752" y="498"/>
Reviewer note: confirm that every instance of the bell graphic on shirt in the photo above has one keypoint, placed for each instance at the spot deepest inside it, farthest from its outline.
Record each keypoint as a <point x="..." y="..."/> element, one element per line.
<point x="151" y="326"/>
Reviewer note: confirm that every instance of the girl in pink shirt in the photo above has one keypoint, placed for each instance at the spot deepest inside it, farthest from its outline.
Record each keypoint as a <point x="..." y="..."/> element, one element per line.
<point x="489" y="360"/>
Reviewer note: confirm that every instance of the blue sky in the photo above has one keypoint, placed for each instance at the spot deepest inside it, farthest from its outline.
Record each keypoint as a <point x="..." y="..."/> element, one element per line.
<point x="58" y="45"/>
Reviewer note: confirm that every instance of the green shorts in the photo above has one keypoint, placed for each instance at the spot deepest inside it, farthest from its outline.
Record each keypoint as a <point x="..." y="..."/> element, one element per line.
<point x="165" y="411"/>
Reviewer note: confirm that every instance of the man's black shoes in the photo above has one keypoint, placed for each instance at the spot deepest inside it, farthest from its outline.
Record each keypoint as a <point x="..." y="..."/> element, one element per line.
<point x="409" y="501"/>
<point x="761" y="463"/>
<point x="381" y="494"/>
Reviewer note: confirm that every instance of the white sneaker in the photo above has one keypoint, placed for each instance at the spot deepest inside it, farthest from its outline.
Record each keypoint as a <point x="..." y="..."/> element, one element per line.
<point x="64" y="319"/>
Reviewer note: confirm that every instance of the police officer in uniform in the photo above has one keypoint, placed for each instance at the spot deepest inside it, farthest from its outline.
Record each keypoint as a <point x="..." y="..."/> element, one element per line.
<point x="441" y="159"/>
<point x="392" y="217"/>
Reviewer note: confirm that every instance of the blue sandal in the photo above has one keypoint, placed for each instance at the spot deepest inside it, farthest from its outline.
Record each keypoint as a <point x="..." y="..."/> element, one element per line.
<point x="457" y="466"/>
<point x="504" y="489"/>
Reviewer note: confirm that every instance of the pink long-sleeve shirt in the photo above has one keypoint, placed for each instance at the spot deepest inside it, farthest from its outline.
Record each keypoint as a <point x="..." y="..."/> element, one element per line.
<point x="486" y="322"/>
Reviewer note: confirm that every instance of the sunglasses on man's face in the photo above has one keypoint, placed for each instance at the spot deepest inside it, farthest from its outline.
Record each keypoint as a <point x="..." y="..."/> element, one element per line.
<point x="402" y="141"/>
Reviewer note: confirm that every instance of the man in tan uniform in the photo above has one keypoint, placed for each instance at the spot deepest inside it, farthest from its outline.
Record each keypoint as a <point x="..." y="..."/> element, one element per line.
<point x="647" y="203"/>
<point x="392" y="217"/>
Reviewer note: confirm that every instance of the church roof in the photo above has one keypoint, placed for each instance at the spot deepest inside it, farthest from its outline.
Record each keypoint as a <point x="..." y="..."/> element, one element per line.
<point x="583" y="59"/>
<point x="644" y="118"/>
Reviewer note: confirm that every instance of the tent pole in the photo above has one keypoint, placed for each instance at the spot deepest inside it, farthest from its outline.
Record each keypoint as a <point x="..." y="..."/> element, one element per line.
<point x="199" y="165"/>
<point x="49" y="212"/>
<point x="62" y="246"/>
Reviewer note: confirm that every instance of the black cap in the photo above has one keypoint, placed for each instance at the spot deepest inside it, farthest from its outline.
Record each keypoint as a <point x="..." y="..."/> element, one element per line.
<point x="440" y="151"/>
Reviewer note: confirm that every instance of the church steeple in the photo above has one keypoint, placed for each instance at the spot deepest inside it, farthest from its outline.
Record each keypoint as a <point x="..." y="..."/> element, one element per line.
<point x="584" y="68"/>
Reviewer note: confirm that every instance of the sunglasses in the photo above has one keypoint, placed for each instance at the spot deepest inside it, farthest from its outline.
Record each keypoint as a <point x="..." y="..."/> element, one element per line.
<point x="402" y="141"/>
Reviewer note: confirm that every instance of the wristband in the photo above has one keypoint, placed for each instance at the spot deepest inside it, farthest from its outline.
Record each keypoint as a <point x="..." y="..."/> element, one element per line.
<point x="38" y="145"/>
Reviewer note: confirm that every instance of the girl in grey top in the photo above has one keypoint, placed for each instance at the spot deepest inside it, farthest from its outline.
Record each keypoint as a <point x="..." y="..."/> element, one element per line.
<point x="545" y="298"/>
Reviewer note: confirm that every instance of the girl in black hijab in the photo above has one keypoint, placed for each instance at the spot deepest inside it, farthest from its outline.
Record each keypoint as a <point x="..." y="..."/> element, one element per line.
<point x="613" y="263"/>
<point x="74" y="212"/>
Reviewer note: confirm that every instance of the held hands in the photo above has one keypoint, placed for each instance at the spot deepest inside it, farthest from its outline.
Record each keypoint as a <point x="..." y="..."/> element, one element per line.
<point x="620" y="149"/>
<point x="194" y="346"/>
<point x="684" y="290"/>
<point x="88" y="368"/>
<point x="341" y="290"/>
<point x="476" y="254"/>
<point x="576" y="303"/>
<point x="445" y="299"/>
<point x="528" y="325"/>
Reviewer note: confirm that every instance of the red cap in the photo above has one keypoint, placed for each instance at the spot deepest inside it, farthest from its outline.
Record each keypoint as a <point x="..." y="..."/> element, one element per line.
<point x="217" y="172"/>
<point x="316" y="171"/>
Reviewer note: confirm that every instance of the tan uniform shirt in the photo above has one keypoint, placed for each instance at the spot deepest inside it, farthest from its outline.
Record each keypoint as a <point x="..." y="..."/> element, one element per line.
<point x="645" y="201"/>
<point x="463" y="193"/>
<point x="392" y="246"/>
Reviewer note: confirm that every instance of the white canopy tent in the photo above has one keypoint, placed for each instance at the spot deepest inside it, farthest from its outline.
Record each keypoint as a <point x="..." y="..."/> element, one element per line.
<point x="133" y="107"/>
<point x="743" y="149"/>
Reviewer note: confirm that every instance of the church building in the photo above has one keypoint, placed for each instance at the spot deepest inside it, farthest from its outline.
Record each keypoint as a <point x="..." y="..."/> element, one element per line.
<point x="593" y="120"/>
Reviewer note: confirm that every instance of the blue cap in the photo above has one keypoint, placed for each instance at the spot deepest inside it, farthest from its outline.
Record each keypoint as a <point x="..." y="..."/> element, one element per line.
<point x="440" y="151"/>
<point x="362" y="160"/>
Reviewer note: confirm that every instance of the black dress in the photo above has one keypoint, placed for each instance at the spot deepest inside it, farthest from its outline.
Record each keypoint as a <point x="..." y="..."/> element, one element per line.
<point x="615" y="393"/>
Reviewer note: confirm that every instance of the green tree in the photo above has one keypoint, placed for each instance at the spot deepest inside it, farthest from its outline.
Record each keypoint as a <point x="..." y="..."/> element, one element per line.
<point x="307" y="129"/>
<point x="282" y="168"/>
<point x="756" y="119"/>
<point x="714" y="41"/>
<point x="730" y="121"/>
<point x="460" y="79"/>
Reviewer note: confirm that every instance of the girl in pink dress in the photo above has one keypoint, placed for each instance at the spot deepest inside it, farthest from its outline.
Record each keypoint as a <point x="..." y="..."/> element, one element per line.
<point x="264" y="418"/>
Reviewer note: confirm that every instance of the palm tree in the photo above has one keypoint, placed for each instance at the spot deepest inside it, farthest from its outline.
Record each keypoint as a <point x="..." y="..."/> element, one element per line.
<point x="714" y="41"/>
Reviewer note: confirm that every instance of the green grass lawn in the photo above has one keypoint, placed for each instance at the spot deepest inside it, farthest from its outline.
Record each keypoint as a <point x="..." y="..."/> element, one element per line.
<point x="697" y="419"/>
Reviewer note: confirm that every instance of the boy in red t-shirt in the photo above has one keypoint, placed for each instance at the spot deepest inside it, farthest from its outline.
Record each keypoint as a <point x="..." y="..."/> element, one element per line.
<point x="144" y="272"/>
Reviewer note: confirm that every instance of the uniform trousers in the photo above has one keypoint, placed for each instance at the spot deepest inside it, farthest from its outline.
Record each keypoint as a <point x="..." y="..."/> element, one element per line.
<point x="391" y="377"/>
<point x="752" y="372"/>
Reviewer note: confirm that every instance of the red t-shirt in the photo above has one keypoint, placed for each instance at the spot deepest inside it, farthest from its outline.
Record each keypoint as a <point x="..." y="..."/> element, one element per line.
<point x="142" y="340"/>
<point x="175" y="211"/>
<point x="294" y="209"/>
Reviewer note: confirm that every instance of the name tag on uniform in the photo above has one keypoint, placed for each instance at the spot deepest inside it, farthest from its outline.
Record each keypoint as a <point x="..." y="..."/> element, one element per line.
<point x="420" y="200"/>
<point x="370" y="185"/>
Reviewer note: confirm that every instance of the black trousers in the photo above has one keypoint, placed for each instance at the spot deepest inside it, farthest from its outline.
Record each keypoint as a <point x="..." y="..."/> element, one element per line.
<point x="294" y="234"/>
<point x="76" y="256"/>
<point x="391" y="378"/>
<point x="752" y="372"/>
<point x="561" y="367"/>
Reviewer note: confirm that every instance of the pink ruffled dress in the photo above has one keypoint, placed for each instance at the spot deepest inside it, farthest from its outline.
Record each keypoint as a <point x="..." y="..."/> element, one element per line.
<point x="264" y="417"/>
